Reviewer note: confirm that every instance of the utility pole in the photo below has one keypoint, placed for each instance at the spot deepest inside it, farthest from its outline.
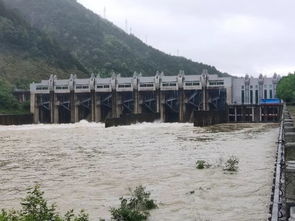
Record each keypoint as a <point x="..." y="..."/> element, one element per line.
<point x="126" y="25"/>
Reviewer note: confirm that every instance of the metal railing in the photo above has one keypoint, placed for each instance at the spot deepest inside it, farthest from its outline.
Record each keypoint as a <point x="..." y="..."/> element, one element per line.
<point x="277" y="208"/>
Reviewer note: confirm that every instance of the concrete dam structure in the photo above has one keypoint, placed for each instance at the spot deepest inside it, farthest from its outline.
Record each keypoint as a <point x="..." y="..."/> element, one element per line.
<point x="174" y="98"/>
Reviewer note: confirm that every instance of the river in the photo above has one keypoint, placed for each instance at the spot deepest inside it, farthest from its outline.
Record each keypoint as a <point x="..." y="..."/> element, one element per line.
<point x="87" y="166"/>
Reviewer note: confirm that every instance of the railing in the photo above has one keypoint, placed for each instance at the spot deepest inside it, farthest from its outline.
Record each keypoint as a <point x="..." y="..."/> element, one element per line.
<point x="277" y="207"/>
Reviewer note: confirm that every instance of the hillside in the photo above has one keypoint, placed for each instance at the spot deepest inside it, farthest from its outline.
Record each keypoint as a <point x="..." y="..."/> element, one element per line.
<point x="28" y="55"/>
<point x="98" y="44"/>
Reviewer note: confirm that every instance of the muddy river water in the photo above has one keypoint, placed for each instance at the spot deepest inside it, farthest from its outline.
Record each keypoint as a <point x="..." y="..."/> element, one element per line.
<point x="86" y="166"/>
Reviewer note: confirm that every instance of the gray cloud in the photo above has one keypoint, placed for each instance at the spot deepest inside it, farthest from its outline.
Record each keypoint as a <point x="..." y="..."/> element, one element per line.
<point x="237" y="37"/>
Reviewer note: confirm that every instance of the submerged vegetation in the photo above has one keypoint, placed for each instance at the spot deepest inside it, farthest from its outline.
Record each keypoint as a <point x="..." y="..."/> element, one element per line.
<point x="202" y="164"/>
<point x="135" y="208"/>
<point x="34" y="207"/>
<point x="232" y="164"/>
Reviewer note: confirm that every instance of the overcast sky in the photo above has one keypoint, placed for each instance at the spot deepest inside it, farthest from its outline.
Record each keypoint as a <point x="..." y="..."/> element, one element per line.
<point x="236" y="36"/>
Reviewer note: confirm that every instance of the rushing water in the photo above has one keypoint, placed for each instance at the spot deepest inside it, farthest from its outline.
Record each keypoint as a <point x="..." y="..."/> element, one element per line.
<point x="87" y="166"/>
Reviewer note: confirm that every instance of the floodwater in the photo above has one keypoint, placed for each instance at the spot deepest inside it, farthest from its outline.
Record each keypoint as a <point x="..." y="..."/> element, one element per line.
<point x="86" y="166"/>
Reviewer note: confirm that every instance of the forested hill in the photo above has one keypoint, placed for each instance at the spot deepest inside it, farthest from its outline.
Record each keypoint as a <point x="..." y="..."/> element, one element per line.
<point x="98" y="44"/>
<point x="26" y="54"/>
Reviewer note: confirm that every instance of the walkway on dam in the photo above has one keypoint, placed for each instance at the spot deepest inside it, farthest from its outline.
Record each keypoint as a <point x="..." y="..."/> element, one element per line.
<point x="282" y="207"/>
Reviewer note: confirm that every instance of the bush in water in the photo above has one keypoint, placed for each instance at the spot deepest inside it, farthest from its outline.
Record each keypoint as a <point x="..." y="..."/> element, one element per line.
<point x="135" y="208"/>
<point x="201" y="164"/>
<point x="35" y="208"/>
<point x="232" y="164"/>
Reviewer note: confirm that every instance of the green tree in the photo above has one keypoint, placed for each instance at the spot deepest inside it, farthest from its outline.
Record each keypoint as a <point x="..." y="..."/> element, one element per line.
<point x="286" y="88"/>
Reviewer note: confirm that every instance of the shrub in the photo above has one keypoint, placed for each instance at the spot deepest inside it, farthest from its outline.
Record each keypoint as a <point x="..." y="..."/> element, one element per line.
<point x="201" y="164"/>
<point x="135" y="208"/>
<point x="35" y="208"/>
<point x="232" y="164"/>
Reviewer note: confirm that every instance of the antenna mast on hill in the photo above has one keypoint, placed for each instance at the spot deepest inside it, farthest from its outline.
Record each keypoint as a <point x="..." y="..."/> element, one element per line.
<point x="104" y="12"/>
<point x="126" y="25"/>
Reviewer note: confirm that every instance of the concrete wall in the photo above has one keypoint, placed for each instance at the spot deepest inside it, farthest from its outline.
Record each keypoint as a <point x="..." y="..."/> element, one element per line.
<point x="207" y="118"/>
<point x="16" y="119"/>
<point x="131" y="119"/>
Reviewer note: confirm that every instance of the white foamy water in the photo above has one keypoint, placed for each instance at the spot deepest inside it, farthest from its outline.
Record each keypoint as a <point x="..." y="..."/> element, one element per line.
<point x="87" y="166"/>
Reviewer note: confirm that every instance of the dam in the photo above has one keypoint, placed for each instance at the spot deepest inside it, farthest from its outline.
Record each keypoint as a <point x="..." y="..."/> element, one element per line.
<point x="173" y="98"/>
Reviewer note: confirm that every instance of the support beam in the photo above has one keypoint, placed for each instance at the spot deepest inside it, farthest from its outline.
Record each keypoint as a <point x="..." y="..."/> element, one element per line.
<point x="56" y="110"/>
<point x="136" y="102"/>
<point x="253" y="114"/>
<point x="114" y="104"/>
<point x="98" y="108"/>
<point x="73" y="106"/>
<point x="118" y="105"/>
<point x="93" y="106"/>
<point x="140" y="103"/>
<point x="205" y="99"/>
<point x="162" y="106"/>
<point x="35" y="107"/>
<point x="158" y="101"/>
<point x="51" y="106"/>
<point x="182" y="109"/>
<point x="76" y="110"/>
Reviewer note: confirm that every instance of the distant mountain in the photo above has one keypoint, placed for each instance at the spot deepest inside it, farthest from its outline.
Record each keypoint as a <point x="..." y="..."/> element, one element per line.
<point x="99" y="45"/>
<point x="26" y="54"/>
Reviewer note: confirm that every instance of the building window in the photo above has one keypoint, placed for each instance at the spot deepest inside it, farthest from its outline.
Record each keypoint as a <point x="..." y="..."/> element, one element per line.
<point x="62" y="87"/>
<point x="102" y="86"/>
<point x="251" y="97"/>
<point x="265" y="94"/>
<point x="80" y="86"/>
<point x="243" y="87"/>
<point x="124" y="86"/>
<point x="169" y="84"/>
<point x="212" y="83"/>
<point x="243" y="97"/>
<point x="270" y="93"/>
<point x="41" y="88"/>
<point x="256" y="97"/>
<point x="192" y="83"/>
<point x="146" y="84"/>
<point x="251" y="86"/>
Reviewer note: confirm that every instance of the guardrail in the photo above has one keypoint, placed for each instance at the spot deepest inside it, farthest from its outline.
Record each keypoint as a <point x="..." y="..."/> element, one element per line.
<point x="277" y="208"/>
